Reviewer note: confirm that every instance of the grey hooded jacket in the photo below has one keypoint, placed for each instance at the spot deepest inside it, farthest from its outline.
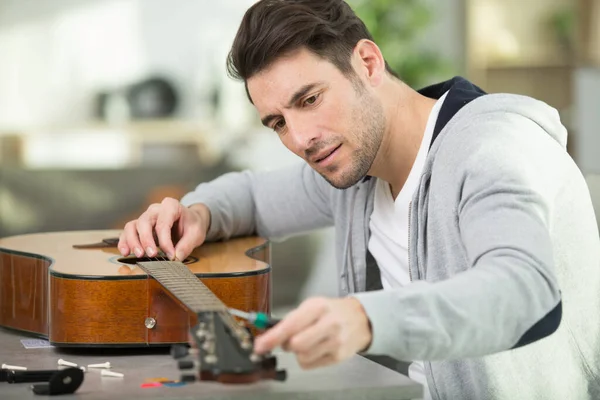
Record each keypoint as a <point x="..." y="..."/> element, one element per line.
<point x="504" y="252"/>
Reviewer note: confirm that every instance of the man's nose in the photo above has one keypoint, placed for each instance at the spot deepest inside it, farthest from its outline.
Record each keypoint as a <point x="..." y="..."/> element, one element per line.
<point x="302" y="132"/>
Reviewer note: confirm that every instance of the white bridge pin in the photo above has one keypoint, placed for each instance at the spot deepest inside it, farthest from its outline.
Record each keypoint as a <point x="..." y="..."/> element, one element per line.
<point x="106" y="372"/>
<point x="14" y="367"/>
<point x="66" y="363"/>
<point x="101" y="365"/>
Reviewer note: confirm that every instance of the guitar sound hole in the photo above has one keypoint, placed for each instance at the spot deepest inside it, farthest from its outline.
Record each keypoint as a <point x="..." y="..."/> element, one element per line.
<point x="135" y="260"/>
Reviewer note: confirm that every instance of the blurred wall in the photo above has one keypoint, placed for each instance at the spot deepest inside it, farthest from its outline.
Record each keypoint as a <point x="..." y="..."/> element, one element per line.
<point x="447" y="33"/>
<point x="58" y="54"/>
<point x="587" y="106"/>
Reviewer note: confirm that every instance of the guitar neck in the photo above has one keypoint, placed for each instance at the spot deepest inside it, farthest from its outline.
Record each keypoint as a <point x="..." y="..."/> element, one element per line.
<point x="184" y="285"/>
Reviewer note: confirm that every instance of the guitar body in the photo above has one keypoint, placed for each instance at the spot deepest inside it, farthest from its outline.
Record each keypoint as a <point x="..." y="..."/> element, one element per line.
<point x="94" y="297"/>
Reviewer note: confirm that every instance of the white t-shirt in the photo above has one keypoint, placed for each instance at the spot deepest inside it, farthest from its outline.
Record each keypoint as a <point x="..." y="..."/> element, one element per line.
<point x="389" y="229"/>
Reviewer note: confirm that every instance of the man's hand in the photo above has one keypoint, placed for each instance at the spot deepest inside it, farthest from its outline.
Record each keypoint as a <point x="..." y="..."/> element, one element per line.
<point x="179" y="230"/>
<point x="320" y="332"/>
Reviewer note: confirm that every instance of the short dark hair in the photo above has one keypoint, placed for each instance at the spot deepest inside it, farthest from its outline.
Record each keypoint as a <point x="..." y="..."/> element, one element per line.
<point x="273" y="28"/>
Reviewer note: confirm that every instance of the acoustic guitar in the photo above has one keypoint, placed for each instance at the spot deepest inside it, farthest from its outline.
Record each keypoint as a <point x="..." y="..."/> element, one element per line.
<point x="76" y="289"/>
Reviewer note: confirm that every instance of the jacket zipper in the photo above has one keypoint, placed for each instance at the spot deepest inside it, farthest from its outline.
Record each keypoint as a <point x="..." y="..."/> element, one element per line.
<point x="350" y="279"/>
<point x="409" y="235"/>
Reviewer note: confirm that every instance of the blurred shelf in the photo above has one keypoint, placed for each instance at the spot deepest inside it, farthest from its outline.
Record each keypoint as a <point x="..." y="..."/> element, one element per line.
<point x="97" y="145"/>
<point x="528" y="66"/>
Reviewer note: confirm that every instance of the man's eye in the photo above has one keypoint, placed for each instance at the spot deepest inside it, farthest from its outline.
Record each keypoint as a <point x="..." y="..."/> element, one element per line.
<point x="279" y="125"/>
<point x="311" y="100"/>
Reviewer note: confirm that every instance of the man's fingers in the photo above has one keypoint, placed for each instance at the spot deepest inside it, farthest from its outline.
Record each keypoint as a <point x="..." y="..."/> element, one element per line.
<point x="170" y="212"/>
<point x="320" y="332"/>
<point x="175" y="229"/>
<point x="187" y="243"/>
<point x="191" y="234"/>
<point x="276" y="336"/>
<point x="129" y="241"/>
<point x="312" y="336"/>
<point x="323" y="361"/>
<point x="145" y="228"/>
<point x="299" y="319"/>
<point x="123" y="246"/>
<point x="326" y="348"/>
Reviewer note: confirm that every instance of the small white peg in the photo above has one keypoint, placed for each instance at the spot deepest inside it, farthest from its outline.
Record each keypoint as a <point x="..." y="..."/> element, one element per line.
<point x="14" y="367"/>
<point x="101" y="365"/>
<point x="106" y="372"/>
<point x="66" y="363"/>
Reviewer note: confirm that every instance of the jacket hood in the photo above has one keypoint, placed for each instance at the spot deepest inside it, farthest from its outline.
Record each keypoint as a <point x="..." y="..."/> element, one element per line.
<point x="541" y="113"/>
<point x="463" y="93"/>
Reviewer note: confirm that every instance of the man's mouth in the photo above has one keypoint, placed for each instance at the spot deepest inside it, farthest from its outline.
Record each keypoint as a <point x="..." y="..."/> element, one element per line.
<point x="327" y="156"/>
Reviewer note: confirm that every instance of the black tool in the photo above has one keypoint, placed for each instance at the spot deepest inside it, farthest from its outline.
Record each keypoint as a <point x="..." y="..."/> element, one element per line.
<point x="65" y="381"/>
<point x="56" y="381"/>
<point x="18" y="376"/>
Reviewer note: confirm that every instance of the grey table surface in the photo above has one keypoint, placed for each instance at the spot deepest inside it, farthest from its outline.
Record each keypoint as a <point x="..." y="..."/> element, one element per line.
<point x="356" y="378"/>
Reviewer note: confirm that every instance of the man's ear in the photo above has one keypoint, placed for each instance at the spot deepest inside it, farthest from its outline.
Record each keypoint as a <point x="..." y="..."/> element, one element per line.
<point x="369" y="62"/>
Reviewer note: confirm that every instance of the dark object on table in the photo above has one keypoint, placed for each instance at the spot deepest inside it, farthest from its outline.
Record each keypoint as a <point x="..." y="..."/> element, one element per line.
<point x="18" y="376"/>
<point x="56" y="381"/>
<point x="64" y="381"/>
<point x="152" y="98"/>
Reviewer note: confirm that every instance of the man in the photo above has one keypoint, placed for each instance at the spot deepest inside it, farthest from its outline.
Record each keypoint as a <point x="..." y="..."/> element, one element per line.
<point x="466" y="238"/>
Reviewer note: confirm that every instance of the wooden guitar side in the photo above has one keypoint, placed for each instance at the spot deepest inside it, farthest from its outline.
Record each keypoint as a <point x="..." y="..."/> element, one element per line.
<point x="95" y="297"/>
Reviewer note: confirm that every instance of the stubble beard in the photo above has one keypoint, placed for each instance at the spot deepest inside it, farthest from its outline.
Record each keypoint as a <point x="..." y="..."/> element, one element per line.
<point x="368" y="134"/>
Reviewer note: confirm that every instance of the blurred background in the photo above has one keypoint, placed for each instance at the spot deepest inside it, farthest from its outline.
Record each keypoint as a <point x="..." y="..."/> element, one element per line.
<point x="107" y="106"/>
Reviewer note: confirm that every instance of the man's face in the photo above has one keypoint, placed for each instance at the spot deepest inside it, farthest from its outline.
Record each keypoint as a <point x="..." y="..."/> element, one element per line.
<point x="321" y="115"/>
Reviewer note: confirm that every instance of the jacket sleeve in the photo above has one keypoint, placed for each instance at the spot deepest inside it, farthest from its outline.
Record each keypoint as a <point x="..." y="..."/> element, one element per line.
<point x="272" y="204"/>
<point x="507" y="295"/>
